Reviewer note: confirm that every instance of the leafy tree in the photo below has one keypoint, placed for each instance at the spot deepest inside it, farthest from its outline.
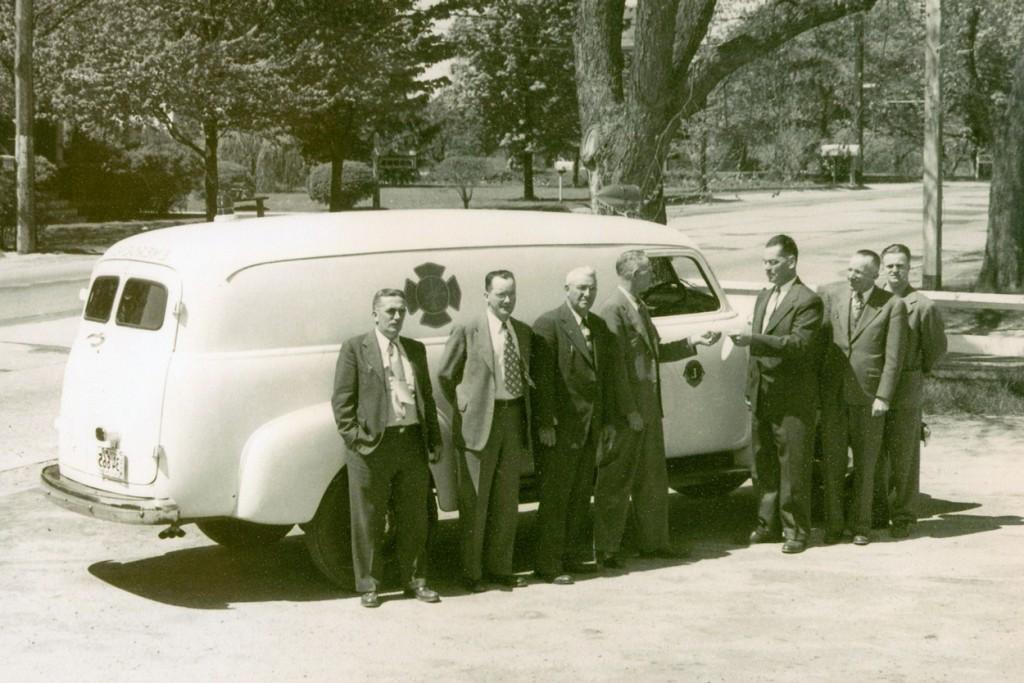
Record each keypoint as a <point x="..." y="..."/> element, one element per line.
<point x="682" y="50"/>
<point x="463" y="173"/>
<point x="355" y="70"/>
<point x="193" y="68"/>
<point x="517" y="78"/>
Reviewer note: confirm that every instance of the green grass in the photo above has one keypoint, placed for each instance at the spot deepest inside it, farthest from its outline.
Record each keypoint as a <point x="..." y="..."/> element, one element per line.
<point x="972" y="393"/>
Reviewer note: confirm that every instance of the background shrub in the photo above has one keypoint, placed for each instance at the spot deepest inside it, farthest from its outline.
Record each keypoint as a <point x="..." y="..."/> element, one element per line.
<point x="46" y="184"/>
<point x="357" y="183"/>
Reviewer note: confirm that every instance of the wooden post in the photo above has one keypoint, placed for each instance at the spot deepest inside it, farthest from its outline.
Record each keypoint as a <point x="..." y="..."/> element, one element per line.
<point x="376" y="171"/>
<point x="23" y="148"/>
<point x="932" y="276"/>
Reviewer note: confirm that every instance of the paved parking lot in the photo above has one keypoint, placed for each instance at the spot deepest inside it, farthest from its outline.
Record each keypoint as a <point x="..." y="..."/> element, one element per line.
<point x="99" y="601"/>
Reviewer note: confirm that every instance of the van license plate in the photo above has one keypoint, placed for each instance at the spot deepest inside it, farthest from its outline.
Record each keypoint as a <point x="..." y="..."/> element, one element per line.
<point x="113" y="464"/>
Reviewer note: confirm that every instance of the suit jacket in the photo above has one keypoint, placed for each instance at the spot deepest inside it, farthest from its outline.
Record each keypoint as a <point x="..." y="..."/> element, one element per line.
<point x="361" y="395"/>
<point x="782" y="377"/>
<point x="926" y="345"/>
<point x="864" y="363"/>
<point x="467" y="377"/>
<point x="640" y="350"/>
<point x="575" y="388"/>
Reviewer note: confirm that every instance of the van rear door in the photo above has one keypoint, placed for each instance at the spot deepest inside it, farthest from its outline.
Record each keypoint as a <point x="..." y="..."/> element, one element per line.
<point x="114" y="384"/>
<point x="702" y="396"/>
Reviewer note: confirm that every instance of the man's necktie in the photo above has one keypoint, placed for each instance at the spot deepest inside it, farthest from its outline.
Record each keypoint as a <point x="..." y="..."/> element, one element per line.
<point x="652" y="332"/>
<point x="585" y="329"/>
<point x="769" y="308"/>
<point x="513" y="368"/>
<point x="856" y="308"/>
<point x="401" y="396"/>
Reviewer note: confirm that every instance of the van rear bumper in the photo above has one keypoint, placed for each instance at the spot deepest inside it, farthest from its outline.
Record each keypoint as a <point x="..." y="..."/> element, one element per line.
<point x="112" y="507"/>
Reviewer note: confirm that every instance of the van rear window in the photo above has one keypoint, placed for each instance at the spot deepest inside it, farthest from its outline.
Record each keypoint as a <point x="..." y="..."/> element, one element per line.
<point x="101" y="299"/>
<point x="143" y="305"/>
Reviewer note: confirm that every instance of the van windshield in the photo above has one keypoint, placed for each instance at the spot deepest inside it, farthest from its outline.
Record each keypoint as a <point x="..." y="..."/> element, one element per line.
<point x="679" y="287"/>
<point x="143" y="305"/>
<point x="101" y="299"/>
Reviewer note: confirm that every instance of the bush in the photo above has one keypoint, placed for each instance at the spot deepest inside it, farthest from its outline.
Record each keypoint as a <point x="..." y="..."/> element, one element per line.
<point x="103" y="180"/>
<point x="45" y="185"/>
<point x="357" y="183"/>
<point x="463" y="173"/>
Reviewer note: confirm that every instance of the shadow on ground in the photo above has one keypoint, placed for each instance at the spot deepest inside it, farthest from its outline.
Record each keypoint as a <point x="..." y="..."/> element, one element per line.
<point x="214" y="577"/>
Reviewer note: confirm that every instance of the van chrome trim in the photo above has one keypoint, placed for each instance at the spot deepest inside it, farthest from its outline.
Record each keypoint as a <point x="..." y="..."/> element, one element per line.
<point x="112" y="507"/>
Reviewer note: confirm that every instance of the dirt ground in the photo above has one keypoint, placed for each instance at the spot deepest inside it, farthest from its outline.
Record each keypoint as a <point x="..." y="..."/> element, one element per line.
<point x="100" y="601"/>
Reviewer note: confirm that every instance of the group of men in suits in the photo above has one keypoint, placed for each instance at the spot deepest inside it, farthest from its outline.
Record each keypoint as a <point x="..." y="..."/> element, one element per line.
<point x="852" y="357"/>
<point x="578" y="394"/>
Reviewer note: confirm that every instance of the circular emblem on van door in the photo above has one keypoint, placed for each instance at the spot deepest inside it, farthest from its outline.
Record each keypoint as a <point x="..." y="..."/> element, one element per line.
<point x="432" y="294"/>
<point x="694" y="373"/>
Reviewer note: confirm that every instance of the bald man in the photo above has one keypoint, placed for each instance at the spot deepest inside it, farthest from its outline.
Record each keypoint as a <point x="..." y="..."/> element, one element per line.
<point x="575" y="384"/>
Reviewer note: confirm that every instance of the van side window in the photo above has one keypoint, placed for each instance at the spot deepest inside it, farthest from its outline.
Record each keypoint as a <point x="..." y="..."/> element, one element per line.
<point x="101" y="299"/>
<point x="143" y="304"/>
<point x="679" y="287"/>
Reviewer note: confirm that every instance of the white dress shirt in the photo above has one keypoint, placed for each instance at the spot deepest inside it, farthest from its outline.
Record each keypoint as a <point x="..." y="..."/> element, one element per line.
<point x="774" y="299"/>
<point x="410" y="379"/>
<point x="498" y="342"/>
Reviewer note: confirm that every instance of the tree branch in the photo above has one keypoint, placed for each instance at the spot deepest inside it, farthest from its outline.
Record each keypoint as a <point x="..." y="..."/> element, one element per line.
<point x="692" y="21"/>
<point x="765" y="29"/>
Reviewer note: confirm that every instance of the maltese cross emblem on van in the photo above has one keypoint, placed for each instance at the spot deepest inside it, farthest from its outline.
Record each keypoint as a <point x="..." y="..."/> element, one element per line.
<point x="432" y="294"/>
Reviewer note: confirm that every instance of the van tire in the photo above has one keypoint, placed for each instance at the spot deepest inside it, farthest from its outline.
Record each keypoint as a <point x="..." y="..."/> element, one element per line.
<point x="329" y="535"/>
<point x="238" y="533"/>
<point x="713" y="488"/>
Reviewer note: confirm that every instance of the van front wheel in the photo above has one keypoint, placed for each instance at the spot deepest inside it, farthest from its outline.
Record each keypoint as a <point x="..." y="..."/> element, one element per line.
<point x="238" y="533"/>
<point x="329" y="535"/>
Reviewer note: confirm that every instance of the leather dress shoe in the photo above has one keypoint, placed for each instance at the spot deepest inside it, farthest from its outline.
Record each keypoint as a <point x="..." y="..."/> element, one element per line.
<point x="581" y="568"/>
<point x="557" y="579"/>
<point x="422" y="593"/>
<point x="833" y="537"/>
<point x="792" y="546"/>
<point x="509" y="580"/>
<point x="474" y="585"/>
<point x="667" y="553"/>
<point x="762" y="535"/>
<point x="611" y="561"/>
<point x="370" y="599"/>
<point x="900" y="530"/>
<point x="861" y="539"/>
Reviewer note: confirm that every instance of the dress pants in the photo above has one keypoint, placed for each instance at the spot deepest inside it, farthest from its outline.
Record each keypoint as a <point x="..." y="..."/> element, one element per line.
<point x="783" y="451"/>
<point x="489" y="495"/>
<point x="566" y="484"/>
<point x="850" y="426"/>
<point x="632" y="481"/>
<point x="898" y="473"/>
<point x="397" y="471"/>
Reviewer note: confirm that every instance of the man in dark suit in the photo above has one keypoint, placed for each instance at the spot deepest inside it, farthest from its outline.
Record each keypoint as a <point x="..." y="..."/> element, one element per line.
<point x="576" y="373"/>
<point x="384" y="408"/>
<point x="485" y="376"/>
<point x="632" y="476"/>
<point x="782" y="389"/>
<point x="899" y="467"/>
<point x="866" y="335"/>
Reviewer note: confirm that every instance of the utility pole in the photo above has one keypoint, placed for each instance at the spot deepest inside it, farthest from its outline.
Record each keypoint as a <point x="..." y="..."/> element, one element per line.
<point x="932" y="276"/>
<point x="857" y="162"/>
<point x="376" y="170"/>
<point x="23" y="153"/>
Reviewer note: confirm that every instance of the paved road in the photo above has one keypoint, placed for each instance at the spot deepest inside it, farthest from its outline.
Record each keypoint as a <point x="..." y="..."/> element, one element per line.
<point x="98" y="601"/>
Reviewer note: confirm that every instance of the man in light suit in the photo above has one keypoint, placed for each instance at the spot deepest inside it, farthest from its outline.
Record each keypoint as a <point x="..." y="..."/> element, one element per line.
<point x="576" y="373"/>
<point x="384" y="408"/>
<point x="899" y="467"/>
<point x="866" y="335"/>
<point x="485" y="376"/>
<point x="632" y="476"/>
<point x="782" y="389"/>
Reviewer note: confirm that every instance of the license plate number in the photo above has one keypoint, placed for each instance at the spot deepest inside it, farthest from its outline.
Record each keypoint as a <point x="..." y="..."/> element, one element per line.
<point x="112" y="463"/>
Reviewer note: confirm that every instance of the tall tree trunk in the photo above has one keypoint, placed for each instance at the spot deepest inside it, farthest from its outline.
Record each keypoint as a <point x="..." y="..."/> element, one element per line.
<point x="1003" y="267"/>
<point x="526" y="159"/>
<point x="337" y="165"/>
<point x="25" y="155"/>
<point x="211" y="181"/>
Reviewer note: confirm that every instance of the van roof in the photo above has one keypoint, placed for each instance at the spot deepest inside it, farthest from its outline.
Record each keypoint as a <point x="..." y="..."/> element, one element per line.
<point x="221" y="249"/>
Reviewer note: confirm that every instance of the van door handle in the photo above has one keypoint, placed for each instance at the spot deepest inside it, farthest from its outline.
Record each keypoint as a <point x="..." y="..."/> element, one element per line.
<point x="96" y="338"/>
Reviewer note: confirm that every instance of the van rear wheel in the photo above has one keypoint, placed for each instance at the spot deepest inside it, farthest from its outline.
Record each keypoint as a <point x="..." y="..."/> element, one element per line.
<point x="238" y="533"/>
<point x="713" y="488"/>
<point x="329" y="535"/>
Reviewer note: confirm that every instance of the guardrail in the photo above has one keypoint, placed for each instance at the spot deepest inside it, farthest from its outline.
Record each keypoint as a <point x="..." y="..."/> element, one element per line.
<point x="741" y="295"/>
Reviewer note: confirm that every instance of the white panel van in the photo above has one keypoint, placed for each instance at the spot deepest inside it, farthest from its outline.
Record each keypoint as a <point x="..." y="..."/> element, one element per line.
<point x="198" y="387"/>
